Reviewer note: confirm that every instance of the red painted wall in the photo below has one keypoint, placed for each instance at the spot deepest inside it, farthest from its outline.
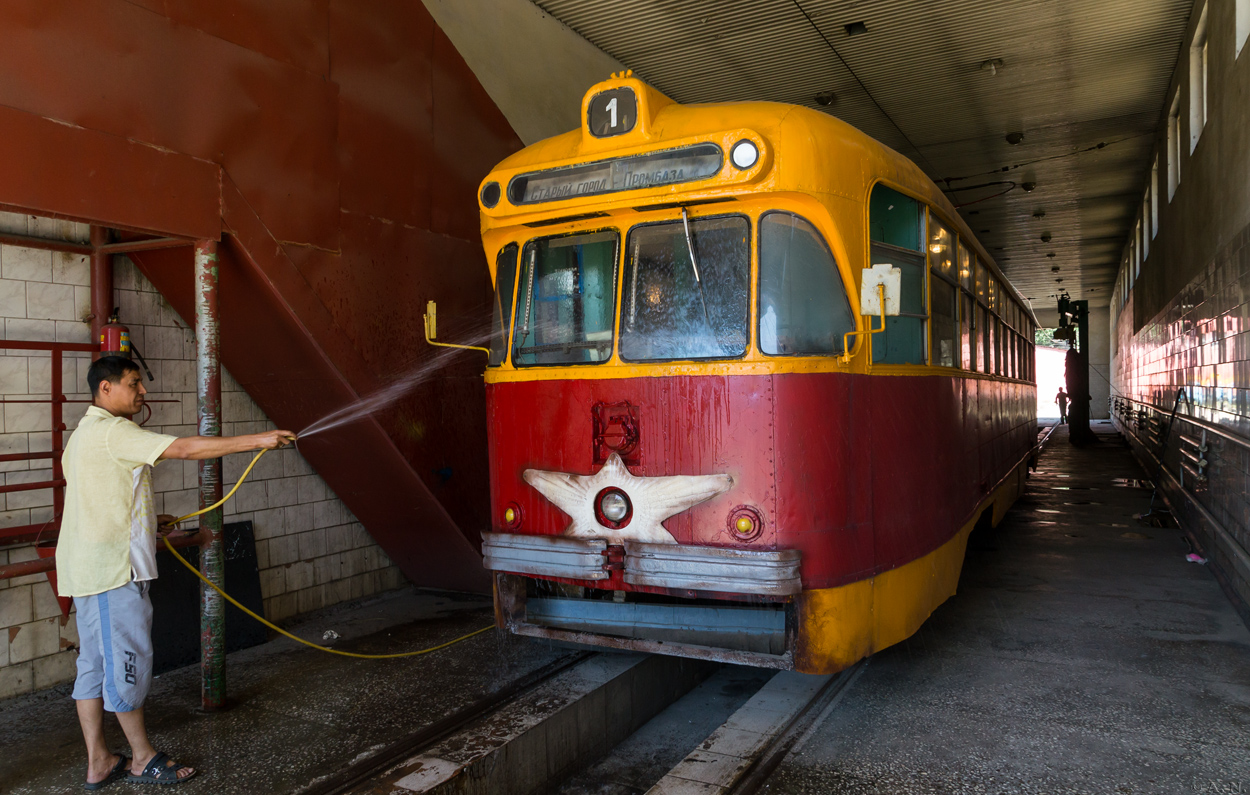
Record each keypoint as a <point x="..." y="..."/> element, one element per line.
<point x="345" y="141"/>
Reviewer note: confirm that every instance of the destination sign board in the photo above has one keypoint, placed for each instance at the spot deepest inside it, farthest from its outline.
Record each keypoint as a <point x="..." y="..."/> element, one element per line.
<point x="635" y="172"/>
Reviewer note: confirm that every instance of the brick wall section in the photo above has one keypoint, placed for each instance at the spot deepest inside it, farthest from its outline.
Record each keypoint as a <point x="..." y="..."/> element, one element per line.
<point x="311" y="550"/>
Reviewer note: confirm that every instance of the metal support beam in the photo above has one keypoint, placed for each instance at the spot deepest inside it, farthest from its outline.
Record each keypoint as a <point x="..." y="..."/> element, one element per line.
<point x="212" y="557"/>
<point x="101" y="284"/>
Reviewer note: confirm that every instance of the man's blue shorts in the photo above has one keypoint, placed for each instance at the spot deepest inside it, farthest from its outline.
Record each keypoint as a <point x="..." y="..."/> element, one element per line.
<point x="115" y="647"/>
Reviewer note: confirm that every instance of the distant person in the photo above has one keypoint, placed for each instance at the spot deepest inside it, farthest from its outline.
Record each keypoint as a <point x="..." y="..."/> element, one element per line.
<point x="1062" y="399"/>
<point x="106" y="559"/>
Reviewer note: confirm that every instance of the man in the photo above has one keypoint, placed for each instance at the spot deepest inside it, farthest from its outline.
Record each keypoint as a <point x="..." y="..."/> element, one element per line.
<point x="1062" y="399"/>
<point x="106" y="558"/>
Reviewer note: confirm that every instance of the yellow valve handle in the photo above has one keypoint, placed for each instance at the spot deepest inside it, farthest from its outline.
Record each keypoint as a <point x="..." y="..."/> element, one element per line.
<point x="275" y="627"/>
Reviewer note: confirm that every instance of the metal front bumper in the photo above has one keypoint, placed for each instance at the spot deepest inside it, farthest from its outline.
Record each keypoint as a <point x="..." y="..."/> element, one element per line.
<point x="675" y="566"/>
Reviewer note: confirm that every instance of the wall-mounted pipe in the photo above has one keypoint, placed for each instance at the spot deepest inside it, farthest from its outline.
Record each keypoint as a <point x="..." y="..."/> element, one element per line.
<point x="212" y="554"/>
<point x="101" y="283"/>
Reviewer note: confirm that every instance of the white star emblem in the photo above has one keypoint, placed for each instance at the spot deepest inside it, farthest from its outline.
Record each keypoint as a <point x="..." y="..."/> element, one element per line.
<point x="653" y="499"/>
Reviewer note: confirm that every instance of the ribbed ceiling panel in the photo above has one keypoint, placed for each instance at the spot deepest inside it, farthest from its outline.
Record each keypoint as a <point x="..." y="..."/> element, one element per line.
<point x="1074" y="74"/>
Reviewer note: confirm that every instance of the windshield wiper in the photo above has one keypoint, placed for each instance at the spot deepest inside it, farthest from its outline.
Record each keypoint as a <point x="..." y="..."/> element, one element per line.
<point x="694" y="265"/>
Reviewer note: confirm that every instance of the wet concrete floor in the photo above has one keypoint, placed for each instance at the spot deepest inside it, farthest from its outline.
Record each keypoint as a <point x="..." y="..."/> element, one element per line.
<point x="296" y="713"/>
<point x="1082" y="654"/>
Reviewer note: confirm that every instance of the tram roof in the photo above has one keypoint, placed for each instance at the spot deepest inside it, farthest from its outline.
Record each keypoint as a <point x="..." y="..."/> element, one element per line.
<point x="664" y="124"/>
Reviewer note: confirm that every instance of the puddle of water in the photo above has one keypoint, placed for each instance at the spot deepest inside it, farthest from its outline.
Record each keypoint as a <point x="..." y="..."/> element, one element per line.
<point x="1062" y="488"/>
<point x="1047" y="510"/>
<point x="1083" y="502"/>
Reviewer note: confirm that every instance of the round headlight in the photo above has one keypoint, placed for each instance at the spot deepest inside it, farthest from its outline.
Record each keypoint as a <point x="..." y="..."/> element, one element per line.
<point x="614" y="506"/>
<point x="744" y="154"/>
<point x="490" y="194"/>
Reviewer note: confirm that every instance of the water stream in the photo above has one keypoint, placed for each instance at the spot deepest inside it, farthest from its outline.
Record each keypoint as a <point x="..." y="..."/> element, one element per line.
<point x="394" y="391"/>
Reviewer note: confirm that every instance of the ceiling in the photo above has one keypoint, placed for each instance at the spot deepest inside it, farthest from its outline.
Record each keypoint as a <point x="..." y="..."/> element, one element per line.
<point x="1069" y="75"/>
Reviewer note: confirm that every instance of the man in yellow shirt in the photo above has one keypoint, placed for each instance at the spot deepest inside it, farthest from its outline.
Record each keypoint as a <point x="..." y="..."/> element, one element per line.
<point x="106" y="558"/>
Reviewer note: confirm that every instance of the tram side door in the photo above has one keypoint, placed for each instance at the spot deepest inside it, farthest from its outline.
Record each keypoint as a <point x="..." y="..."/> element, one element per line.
<point x="905" y="340"/>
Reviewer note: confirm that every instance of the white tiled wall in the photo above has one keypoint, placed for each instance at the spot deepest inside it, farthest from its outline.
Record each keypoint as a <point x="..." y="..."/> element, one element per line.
<point x="311" y="550"/>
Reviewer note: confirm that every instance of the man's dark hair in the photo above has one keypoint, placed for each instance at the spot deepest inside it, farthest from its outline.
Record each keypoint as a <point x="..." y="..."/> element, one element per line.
<point x="108" y="368"/>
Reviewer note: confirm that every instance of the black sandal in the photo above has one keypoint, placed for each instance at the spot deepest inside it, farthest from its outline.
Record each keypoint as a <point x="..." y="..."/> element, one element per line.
<point x="117" y="772"/>
<point x="157" y="772"/>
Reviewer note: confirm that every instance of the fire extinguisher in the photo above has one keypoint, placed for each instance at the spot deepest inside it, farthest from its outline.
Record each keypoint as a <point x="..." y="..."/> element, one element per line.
<point x="115" y="341"/>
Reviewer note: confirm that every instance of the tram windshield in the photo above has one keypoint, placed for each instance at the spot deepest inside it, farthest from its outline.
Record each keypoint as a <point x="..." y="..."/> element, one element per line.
<point x="564" y="301"/>
<point x="685" y="290"/>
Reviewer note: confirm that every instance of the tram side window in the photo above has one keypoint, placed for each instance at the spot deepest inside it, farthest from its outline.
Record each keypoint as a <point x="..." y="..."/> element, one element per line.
<point x="803" y="304"/>
<point x="983" y="335"/>
<point x="966" y="301"/>
<point x="1012" y="359"/>
<point x="565" y="299"/>
<point x="999" y="334"/>
<point x="501" y="311"/>
<point x="674" y="306"/>
<point x="894" y="219"/>
<point x="944" y="296"/>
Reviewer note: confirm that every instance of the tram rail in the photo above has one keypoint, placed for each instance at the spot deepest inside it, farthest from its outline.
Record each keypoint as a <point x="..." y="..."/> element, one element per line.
<point x="361" y="772"/>
<point x="450" y="756"/>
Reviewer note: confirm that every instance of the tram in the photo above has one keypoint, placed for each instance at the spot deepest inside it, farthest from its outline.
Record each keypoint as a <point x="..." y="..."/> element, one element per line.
<point x="752" y="383"/>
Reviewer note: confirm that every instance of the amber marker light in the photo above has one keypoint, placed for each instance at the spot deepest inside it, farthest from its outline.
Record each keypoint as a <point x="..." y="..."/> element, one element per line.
<point x="745" y="523"/>
<point x="512" y="516"/>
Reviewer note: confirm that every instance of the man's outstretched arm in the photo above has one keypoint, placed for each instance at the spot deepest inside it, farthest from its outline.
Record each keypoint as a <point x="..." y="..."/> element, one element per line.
<point x="199" y="447"/>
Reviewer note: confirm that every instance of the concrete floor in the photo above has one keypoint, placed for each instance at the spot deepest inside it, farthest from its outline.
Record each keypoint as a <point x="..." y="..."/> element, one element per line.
<point x="1082" y="654"/>
<point x="296" y="713"/>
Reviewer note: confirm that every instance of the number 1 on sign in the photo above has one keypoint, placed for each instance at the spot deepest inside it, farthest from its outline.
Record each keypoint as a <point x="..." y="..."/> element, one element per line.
<point x="611" y="109"/>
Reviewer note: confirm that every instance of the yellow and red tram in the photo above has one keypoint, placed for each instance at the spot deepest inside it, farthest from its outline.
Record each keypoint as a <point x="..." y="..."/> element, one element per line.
<point x="700" y="444"/>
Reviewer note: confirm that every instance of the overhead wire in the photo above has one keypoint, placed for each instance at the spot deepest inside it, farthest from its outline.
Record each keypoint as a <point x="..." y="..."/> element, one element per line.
<point x="1048" y="158"/>
<point x="863" y="87"/>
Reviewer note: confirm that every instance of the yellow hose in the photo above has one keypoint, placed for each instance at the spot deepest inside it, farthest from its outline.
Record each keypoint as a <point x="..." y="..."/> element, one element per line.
<point x="275" y="627"/>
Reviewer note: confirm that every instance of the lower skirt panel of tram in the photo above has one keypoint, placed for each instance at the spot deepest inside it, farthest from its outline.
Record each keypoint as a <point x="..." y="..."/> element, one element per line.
<point x="758" y="633"/>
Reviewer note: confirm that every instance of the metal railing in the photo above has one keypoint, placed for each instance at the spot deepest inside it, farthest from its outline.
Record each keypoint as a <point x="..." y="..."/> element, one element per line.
<point x="45" y="531"/>
<point x="1192" y="460"/>
<point x="1119" y="401"/>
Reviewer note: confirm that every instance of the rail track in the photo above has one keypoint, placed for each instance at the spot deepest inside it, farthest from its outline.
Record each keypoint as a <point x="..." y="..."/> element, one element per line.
<point x="553" y="730"/>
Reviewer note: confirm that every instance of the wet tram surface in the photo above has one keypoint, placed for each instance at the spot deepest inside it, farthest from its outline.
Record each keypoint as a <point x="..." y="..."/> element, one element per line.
<point x="1083" y="653"/>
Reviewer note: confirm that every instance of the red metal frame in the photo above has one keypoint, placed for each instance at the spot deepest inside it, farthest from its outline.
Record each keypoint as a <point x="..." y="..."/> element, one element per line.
<point x="23" y="533"/>
<point x="50" y="529"/>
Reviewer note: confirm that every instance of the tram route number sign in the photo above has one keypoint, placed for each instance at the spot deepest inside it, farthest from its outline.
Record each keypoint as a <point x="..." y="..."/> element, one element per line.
<point x="612" y="112"/>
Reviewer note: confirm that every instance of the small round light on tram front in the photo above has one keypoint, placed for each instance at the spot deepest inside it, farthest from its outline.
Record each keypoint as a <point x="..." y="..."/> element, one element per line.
<point x="744" y="154"/>
<point x="745" y="523"/>
<point x="509" y="516"/>
<point x="490" y="194"/>
<point x="614" y="506"/>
